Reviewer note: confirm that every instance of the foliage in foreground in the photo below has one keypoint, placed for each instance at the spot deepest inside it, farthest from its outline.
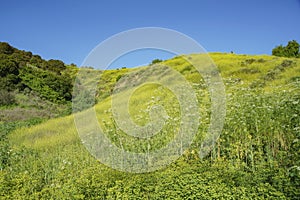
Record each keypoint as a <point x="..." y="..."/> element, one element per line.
<point x="256" y="159"/>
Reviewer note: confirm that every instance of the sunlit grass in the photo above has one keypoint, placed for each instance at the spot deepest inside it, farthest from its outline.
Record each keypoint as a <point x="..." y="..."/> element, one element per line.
<point x="63" y="131"/>
<point x="260" y="135"/>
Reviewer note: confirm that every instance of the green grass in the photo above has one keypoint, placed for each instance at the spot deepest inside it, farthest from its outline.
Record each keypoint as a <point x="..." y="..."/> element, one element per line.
<point x="256" y="156"/>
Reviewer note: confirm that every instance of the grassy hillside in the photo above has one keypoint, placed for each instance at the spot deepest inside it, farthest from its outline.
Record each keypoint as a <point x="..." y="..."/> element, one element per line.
<point x="256" y="156"/>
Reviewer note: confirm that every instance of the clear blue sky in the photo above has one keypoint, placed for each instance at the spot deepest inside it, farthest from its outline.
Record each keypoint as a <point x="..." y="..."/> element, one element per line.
<point x="68" y="30"/>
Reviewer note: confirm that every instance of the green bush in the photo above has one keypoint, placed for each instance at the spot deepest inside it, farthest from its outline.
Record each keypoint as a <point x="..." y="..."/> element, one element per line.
<point x="5" y="48"/>
<point x="290" y="50"/>
<point x="155" y="61"/>
<point x="6" y="98"/>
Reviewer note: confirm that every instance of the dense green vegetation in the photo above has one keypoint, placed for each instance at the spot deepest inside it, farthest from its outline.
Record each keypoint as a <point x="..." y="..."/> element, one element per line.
<point x="256" y="157"/>
<point x="290" y="50"/>
<point x="31" y="86"/>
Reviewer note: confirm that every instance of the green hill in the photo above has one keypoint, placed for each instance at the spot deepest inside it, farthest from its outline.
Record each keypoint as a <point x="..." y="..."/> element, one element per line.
<point x="31" y="87"/>
<point x="256" y="156"/>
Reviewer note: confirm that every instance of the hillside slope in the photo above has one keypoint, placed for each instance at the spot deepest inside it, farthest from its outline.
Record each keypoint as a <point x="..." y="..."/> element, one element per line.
<point x="256" y="156"/>
<point x="31" y="87"/>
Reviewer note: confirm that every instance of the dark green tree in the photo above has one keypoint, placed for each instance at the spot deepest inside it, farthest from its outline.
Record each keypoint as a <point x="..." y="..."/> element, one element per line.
<point x="278" y="51"/>
<point x="5" y="48"/>
<point x="291" y="50"/>
<point x="55" y="65"/>
<point x="9" y="74"/>
<point x="8" y="66"/>
<point x="155" y="61"/>
<point x="37" y="61"/>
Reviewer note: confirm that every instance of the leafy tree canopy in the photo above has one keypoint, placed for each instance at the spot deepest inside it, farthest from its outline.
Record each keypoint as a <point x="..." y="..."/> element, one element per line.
<point x="5" y="48"/>
<point x="290" y="50"/>
<point x="155" y="61"/>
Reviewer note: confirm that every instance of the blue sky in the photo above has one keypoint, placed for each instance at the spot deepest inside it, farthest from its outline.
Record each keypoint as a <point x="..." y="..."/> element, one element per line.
<point x="69" y="30"/>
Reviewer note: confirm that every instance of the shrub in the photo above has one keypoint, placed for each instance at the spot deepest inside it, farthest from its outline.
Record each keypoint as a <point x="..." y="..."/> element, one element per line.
<point x="118" y="77"/>
<point x="249" y="71"/>
<point x="155" y="61"/>
<point x="5" y="48"/>
<point x="250" y="61"/>
<point x="261" y="60"/>
<point x="290" y="50"/>
<point x="6" y="98"/>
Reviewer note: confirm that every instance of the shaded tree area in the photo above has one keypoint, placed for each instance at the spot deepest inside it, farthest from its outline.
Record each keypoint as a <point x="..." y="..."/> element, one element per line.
<point x="291" y="50"/>
<point x="155" y="61"/>
<point x="20" y="70"/>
